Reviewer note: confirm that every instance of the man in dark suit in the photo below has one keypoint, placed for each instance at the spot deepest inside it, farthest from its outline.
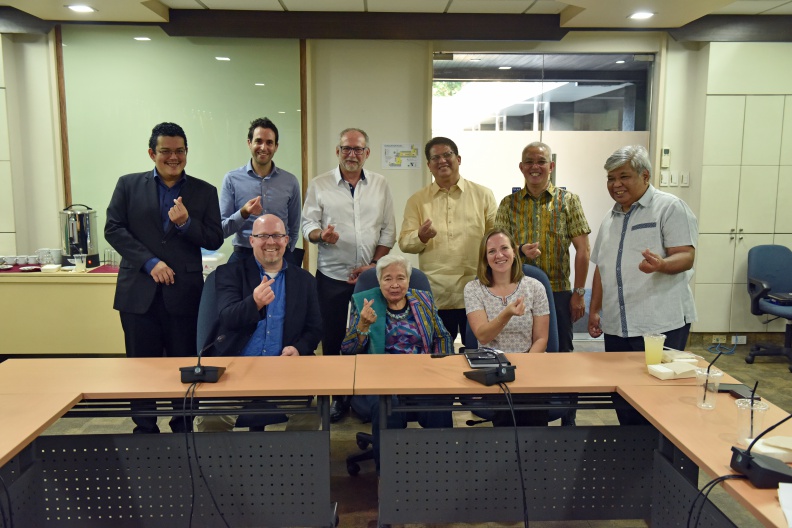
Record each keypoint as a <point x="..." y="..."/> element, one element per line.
<point x="266" y="308"/>
<point x="158" y="221"/>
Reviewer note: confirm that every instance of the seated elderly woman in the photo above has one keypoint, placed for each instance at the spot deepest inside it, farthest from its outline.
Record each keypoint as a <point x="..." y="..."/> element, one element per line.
<point x="394" y="319"/>
<point x="506" y="310"/>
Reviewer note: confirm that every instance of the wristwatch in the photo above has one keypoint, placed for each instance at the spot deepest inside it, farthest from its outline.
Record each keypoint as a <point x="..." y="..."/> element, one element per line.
<point x="579" y="291"/>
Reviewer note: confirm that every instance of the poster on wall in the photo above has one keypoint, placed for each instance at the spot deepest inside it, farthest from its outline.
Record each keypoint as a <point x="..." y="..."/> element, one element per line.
<point x="399" y="156"/>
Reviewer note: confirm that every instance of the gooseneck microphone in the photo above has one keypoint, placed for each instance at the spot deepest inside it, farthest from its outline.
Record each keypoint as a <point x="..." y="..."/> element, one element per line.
<point x="199" y="373"/>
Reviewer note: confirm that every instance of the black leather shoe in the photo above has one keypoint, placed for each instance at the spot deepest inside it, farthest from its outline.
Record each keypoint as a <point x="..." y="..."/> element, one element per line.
<point x="338" y="410"/>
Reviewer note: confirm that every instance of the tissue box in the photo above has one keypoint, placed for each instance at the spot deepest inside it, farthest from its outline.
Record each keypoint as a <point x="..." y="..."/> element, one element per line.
<point x="676" y="370"/>
<point x="677" y="356"/>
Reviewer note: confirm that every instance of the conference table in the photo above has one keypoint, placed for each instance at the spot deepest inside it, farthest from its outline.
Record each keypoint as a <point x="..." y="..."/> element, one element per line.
<point x="270" y="479"/>
<point x="582" y="472"/>
<point x="433" y="475"/>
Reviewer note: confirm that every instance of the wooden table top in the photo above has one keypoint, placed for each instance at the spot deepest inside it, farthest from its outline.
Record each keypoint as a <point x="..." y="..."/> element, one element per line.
<point x="585" y="372"/>
<point x="707" y="437"/>
<point x="110" y="378"/>
<point x="26" y="416"/>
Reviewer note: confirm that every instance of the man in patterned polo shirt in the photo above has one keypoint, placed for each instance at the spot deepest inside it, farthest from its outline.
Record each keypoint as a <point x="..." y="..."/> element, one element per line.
<point x="545" y="220"/>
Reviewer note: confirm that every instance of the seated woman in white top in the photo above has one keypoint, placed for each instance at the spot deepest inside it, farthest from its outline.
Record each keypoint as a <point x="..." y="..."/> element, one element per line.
<point x="506" y="310"/>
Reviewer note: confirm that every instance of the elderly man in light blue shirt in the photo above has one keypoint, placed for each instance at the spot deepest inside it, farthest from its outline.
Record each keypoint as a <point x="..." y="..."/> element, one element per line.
<point x="259" y="188"/>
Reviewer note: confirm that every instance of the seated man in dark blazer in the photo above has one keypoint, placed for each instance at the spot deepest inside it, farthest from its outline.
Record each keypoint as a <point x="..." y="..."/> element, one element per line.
<point x="266" y="307"/>
<point x="159" y="220"/>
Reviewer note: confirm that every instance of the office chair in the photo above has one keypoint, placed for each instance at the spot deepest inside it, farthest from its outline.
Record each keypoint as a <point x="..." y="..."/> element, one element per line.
<point x="207" y="314"/>
<point x="552" y="336"/>
<point x="770" y="271"/>
<point x="366" y="281"/>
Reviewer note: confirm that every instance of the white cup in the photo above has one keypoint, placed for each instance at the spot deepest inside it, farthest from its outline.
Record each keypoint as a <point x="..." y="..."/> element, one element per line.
<point x="32" y="260"/>
<point x="56" y="255"/>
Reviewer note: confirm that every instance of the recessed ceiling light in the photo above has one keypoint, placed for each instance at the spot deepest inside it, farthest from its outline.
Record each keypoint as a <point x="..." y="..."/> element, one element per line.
<point x="222" y="58"/>
<point x="281" y="112"/>
<point x="475" y="60"/>
<point x="299" y="110"/>
<point x="260" y="84"/>
<point x="619" y="62"/>
<point x="81" y="8"/>
<point x="641" y="15"/>
<point x="142" y="38"/>
<point x="504" y="67"/>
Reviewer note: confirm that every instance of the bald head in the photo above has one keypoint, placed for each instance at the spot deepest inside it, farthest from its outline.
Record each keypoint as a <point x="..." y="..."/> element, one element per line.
<point x="268" y="249"/>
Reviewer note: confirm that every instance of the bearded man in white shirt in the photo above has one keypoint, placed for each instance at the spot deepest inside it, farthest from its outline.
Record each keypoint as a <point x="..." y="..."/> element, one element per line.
<point x="348" y="212"/>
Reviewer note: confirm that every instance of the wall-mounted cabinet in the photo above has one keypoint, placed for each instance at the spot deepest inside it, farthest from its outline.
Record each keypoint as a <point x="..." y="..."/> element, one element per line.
<point x="744" y="203"/>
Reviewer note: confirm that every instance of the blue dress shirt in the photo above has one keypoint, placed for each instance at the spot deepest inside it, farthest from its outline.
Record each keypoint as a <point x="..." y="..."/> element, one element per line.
<point x="267" y="340"/>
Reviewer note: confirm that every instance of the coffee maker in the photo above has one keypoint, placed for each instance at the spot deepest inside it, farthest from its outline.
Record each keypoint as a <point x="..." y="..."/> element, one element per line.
<point x="79" y="235"/>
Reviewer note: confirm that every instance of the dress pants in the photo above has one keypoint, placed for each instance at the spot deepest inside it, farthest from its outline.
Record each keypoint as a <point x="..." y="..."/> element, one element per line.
<point x="455" y="321"/>
<point x="674" y="339"/>
<point x="334" y="297"/>
<point x="158" y="333"/>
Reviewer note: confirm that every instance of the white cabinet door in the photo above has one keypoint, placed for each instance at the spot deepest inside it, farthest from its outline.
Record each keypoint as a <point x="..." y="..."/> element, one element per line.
<point x="757" y="208"/>
<point x="786" y="135"/>
<point x="713" y="302"/>
<point x="744" y="244"/>
<point x="764" y="116"/>
<point x="714" y="259"/>
<point x="723" y="129"/>
<point x="783" y="219"/>
<point x="720" y="189"/>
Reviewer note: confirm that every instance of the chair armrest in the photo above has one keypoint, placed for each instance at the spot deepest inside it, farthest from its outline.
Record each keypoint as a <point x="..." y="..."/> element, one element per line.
<point x="757" y="289"/>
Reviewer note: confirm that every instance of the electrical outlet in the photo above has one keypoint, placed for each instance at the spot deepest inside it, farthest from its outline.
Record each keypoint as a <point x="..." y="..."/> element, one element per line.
<point x="719" y="339"/>
<point x="738" y="340"/>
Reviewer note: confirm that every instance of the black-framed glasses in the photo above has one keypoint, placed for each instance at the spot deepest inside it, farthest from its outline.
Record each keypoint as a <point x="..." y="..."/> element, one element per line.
<point x="357" y="150"/>
<point x="167" y="152"/>
<point x="445" y="155"/>
<point x="538" y="163"/>
<point x="277" y="237"/>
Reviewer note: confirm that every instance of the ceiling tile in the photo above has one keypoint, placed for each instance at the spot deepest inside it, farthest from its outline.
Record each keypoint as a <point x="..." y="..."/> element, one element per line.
<point x="106" y="10"/>
<point x="182" y="4"/>
<point x="407" y="6"/>
<point x="785" y="9"/>
<point x="244" y="5"/>
<point x="490" y="6"/>
<point x="749" y="7"/>
<point x="352" y="6"/>
<point x="546" y="7"/>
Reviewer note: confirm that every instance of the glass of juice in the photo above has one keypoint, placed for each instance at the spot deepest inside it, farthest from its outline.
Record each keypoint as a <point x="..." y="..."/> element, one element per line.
<point x="653" y="348"/>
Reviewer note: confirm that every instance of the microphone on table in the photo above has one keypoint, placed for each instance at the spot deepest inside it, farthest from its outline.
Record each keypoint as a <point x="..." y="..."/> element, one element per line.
<point x="492" y="375"/>
<point x="199" y="373"/>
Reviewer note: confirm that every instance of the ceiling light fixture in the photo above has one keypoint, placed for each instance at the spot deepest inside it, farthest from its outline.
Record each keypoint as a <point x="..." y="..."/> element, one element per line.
<point x="142" y="39"/>
<point x="222" y="58"/>
<point x="620" y="62"/>
<point x="504" y="67"/>
<point x="475" y="60"/>
<point x="641" y="15"/>
<point x="260" y="84"/>
<point x="281" y="112"/>
<point x="81" y="8"/>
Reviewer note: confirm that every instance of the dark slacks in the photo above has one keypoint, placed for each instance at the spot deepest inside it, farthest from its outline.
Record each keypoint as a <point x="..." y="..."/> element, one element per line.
<point x="455" y="321"/>
<point x="334" y="299"/>
<point x="674" y="339"/>
<point x="158" y="333"/>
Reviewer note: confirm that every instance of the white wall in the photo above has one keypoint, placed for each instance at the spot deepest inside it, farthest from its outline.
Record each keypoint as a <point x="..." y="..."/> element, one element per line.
<point x="34" y="140"/>
<point x="382" y="87"/>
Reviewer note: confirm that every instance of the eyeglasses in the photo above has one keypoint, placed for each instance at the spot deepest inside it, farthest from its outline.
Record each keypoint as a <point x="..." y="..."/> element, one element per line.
<point x="540" y="163"/>
<point x="445" y="155"/>
<point x="167" y="152"/>
<point x="357" y="150"/>
<point x="276" y="237"/>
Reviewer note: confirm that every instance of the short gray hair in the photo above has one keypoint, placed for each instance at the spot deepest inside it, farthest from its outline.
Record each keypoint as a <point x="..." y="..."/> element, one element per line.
<point x="539" y="144"/>
<point x="348" y="130"/>
<point x="389" y="260"/>
<point x="635" y="155"/>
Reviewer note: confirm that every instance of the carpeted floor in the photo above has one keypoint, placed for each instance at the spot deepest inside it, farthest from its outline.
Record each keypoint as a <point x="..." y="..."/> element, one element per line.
<point x="357" y="496"/>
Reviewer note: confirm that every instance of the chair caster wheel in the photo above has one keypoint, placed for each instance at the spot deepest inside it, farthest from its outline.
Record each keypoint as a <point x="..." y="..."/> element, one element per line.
<point x="353" y="469"/>
<point x="749" y="360"/>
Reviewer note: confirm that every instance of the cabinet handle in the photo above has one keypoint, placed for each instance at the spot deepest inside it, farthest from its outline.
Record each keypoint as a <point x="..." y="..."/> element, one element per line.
<point x="740" y="238"/>
<point x="731" y="237"/>
<point x="741" y="230"/>
<point x="731" y="230"/>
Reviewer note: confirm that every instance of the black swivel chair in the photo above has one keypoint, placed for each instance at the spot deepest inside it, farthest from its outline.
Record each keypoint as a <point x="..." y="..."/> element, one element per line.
<point x="366" y="281"/>
<point x="769" y="272"/>
<point x="207" y="313"/>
